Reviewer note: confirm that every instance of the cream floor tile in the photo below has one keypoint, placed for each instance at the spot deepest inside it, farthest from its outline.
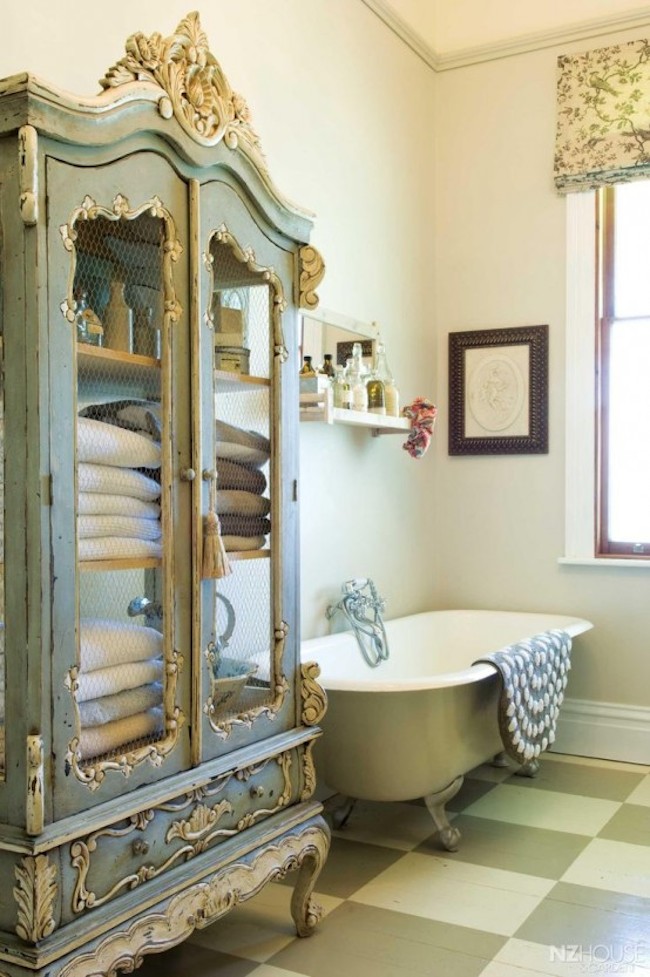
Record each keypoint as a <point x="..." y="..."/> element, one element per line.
<point x="493" y="775"/>
<point x="268" y="970"/>
<point x="401" y="826"/>
<point x="615" y="866"/>
<point x="588" y="761"/>
<point x="487" y="899"/>
<point x="549" y="809"/>
<point x="641" y="794"/>
<point x="520" y="958"/>
<point x="260" y="928"/>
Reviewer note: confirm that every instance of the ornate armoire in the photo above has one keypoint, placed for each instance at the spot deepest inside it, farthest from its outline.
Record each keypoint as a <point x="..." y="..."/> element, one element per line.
<point x="157" y="727"/>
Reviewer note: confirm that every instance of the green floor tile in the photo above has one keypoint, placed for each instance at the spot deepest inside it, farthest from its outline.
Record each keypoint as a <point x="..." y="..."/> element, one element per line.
<point x="573" y="915"/>
<point x="188" y="960"/>
<point x="576" y="778"/>
<point x="349" y="865"/>
<point x="513" y="847"/>
<point x="363" y="941"/>
<point x="631" y="823"/>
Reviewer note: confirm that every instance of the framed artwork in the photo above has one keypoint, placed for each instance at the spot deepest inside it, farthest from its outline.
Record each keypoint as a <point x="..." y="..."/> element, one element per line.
<point x="498" y="391"/>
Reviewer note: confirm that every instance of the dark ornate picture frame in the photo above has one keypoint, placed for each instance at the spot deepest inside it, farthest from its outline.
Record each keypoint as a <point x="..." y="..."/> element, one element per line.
<point x="498" y="391"/>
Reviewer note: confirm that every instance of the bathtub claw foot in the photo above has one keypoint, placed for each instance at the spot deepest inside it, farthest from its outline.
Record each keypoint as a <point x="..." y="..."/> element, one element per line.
<point x="339" y="810"/>
<point x="530" y="769"/>
<point x="500" y="760"/>
<point x="449" y="836"/>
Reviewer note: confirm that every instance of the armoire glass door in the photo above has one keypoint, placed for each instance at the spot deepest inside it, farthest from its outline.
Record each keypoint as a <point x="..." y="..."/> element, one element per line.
<point x="118" y="501"/>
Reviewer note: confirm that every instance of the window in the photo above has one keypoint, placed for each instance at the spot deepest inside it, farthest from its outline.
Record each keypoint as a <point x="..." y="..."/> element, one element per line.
<point x="623" y="372"/>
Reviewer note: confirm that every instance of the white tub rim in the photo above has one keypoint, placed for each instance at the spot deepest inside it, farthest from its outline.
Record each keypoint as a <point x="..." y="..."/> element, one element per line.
<point x="374" y="683"/>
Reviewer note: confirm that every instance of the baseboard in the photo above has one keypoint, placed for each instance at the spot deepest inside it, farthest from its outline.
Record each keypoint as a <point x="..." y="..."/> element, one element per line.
<point x="606" y="730"/>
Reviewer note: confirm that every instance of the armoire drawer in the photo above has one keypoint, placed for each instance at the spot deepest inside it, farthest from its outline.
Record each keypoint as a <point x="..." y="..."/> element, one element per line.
<point x="151" y="843"/>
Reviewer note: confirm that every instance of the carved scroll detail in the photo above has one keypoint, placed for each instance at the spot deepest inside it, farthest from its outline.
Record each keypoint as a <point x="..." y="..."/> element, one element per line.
<point x="35" y="892"/>
<point x="308" y="773"/>
<point x="203" y="903"/>
<point x="28" y="160"/>
<point x="35" y="813"/>
<point x="314" y="697"/>
<point x="193" y="86"/>
<point x="312" y="269"/>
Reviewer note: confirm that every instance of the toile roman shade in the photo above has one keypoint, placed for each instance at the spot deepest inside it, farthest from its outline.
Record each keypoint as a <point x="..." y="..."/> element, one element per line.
<point x="603" y="117"/>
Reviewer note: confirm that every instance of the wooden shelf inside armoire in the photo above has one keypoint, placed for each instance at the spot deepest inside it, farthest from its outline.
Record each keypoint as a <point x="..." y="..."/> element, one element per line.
<point x="147" y="563"/>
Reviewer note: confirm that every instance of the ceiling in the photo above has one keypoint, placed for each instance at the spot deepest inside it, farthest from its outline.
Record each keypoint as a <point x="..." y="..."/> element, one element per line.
<point x="444" y="27"/>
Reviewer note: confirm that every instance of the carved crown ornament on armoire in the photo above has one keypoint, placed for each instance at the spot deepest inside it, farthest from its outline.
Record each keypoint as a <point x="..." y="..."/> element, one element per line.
<point x="156" y="726"/>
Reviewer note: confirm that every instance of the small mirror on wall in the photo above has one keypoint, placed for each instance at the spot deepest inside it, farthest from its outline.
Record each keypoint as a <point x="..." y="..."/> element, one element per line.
<point x="325" y="332"/>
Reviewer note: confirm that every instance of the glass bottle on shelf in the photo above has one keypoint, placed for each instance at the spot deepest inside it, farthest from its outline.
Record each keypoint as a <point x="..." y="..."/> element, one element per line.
<point x="118" y="320"/>
<point x="328" y="367"/>
<point x="383" y="371"/>
<point x="340" y="389"/>
<point x="357" y="382"/>
<point x="81" y="304"/>
<point x="376" y="394"/>
<point x="307" y="370"/>
<point x="89" y="327"/>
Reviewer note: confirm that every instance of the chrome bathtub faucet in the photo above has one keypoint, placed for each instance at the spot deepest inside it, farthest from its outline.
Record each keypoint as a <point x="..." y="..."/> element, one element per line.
<point x="363" y="608"/>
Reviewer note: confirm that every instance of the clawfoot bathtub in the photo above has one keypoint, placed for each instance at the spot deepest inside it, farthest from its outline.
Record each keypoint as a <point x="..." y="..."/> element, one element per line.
<point x="416" y="724"/>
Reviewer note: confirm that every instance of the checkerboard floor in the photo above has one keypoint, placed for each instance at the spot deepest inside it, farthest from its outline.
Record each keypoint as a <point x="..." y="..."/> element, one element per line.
<point x="552" y="878"/>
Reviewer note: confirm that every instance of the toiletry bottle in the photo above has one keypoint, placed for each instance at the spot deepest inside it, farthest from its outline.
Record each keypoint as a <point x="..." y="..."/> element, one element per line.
<point x="376" y="394"/>
<point x="340" y="389"/>
<point x="118" y="320"/>
<point x="357" y="381"/>
<point x="383" y="371"/>
<point x="307" y="370"/>
<point x="328" y="367"/>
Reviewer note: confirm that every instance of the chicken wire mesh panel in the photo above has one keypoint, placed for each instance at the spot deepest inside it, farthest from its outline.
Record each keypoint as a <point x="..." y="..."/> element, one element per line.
<point x="239" y="657"/>
<point x="239" y="314"/>
<point x="120" y="526"/>
<point x="117" y="290"/>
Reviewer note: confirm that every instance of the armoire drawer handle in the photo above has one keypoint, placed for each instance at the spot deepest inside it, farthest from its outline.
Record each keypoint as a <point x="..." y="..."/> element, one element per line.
<point x="257" y="791"/>
<point x="140" y="847"/>
<point x="188" y="474"/>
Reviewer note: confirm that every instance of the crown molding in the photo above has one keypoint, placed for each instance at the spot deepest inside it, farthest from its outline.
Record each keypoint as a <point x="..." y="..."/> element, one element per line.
<point x="522" y="44"/>
<point x="404" y="31"/>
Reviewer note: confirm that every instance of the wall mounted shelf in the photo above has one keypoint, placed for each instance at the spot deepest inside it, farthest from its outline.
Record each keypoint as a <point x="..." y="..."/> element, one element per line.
<point x="319" y="407"/>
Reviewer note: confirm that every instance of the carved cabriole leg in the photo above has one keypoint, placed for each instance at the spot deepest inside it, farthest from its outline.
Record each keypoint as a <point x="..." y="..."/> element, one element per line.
<point x="201" y="904"/>
<point x="306" y="913"/>
<point x="449" y="836"/>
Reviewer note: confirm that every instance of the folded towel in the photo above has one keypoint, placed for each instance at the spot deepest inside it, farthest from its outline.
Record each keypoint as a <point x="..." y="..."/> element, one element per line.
<point x="100" y="504"/>
<point x="108" y="708"/>
<point x="103" y="643"/>
<point x="116" y="548"/>
<point x="230" y="475"/>
<point x="242" y="503"/>
<point x="234" y="543"/>
<point x="110" y="480"/>
<point x="97" y="740"/>
<point x="237" y="435"/>
<point x="244" y="525"/>
<point x="135" y="415"/>
<point x="129" y="527"/>
<point x="105" y="444"/>
<point x="534" y="675"/>
<point x="242" y="454"/>
<point x="117" y="678"/>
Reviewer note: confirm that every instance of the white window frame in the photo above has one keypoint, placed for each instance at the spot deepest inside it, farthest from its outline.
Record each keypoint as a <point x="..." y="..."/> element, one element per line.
<point x="580" y="448"/>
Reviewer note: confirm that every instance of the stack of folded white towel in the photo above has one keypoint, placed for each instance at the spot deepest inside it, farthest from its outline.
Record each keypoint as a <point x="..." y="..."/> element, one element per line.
<point x="119" y="694"/>
<point x="241" y="506"/>
<point x="118" y="511"/>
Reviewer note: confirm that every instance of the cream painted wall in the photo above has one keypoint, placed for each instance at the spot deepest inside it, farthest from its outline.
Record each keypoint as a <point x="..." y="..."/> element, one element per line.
<point x="500" y="230"/>
<point x="343" y="111"/>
